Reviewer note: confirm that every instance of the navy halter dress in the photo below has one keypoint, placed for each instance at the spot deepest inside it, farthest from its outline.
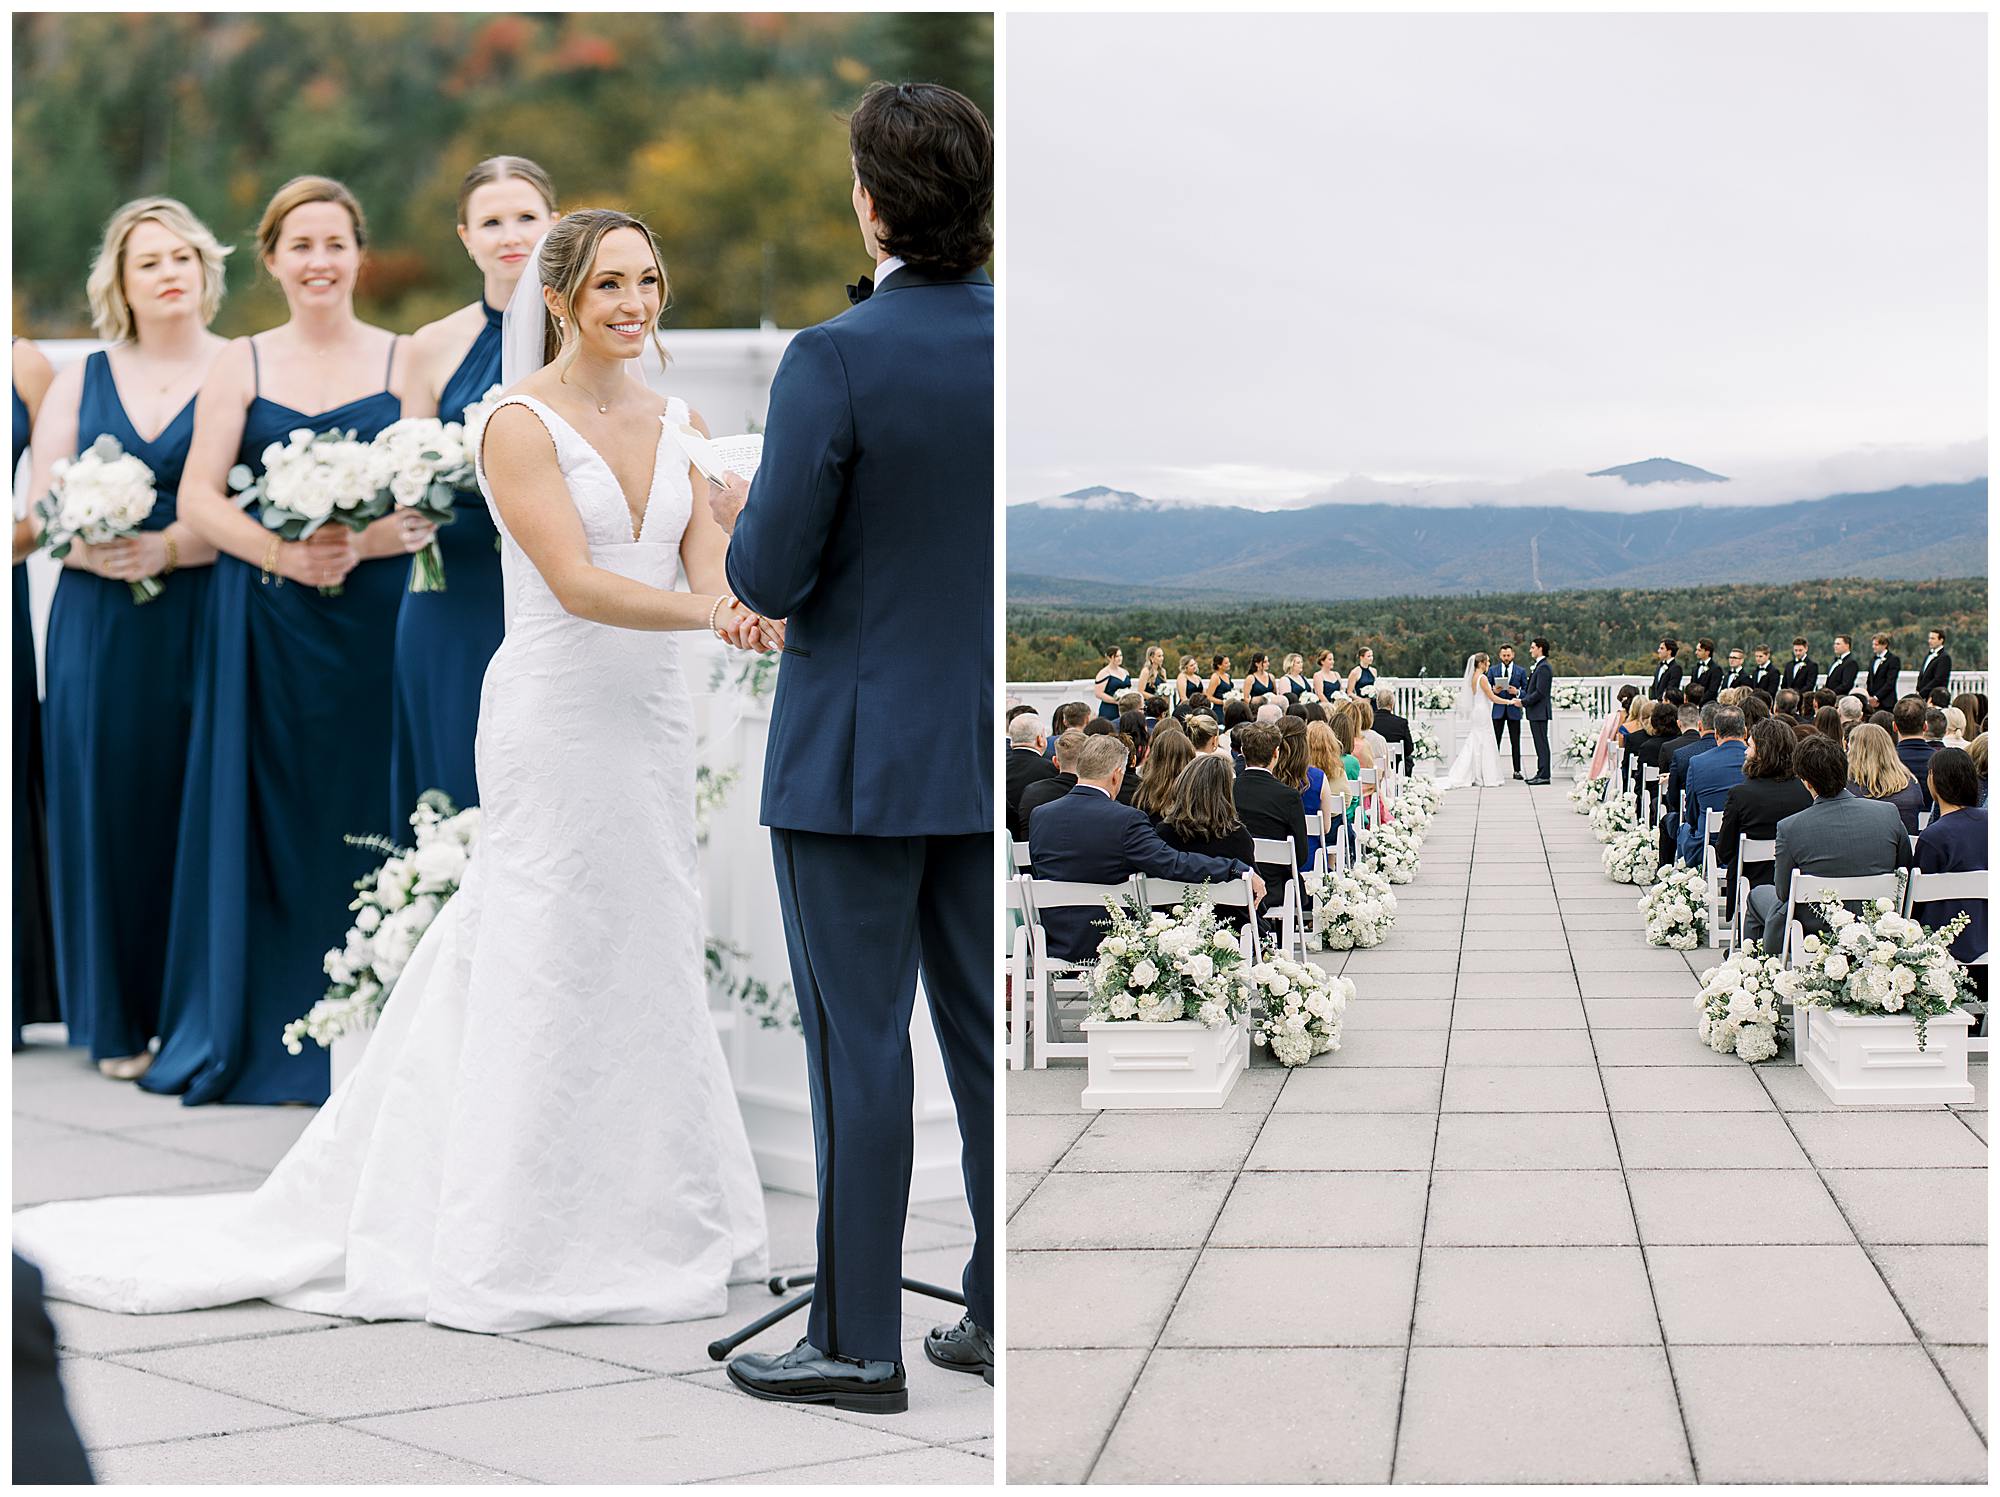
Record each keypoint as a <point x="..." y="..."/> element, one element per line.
<point x="120" y="702"/>
<point x="1114" y="684"/>
<point x="444" y="640"/>
<point x="34" y="941"/>
<point x="289" y="755"/>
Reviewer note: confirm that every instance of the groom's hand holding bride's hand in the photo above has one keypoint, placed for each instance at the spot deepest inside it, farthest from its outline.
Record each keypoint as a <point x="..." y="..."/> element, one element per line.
<point x="739" y="628"/>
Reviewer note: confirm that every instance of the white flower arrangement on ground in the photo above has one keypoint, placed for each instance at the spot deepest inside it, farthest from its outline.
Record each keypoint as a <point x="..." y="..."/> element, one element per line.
<point x="1612" y="818"/>
<point x="1579" y="746"/>
<point x="1570" y="697"/>
<point x="1155" y="968"/>
<point x="1676" y="908"/>
<point x="1586" y="795"/>
<point x="394" y="905"/>
<point x="1351" y="909"/>
<point x="1632" y="856"/>
<point x="316" y="478"/>
<point x="428" y="467"/>
<point x="1423" y="744"/>
<point x="1738" y="1004"/>
<point x="1437" y="698"/>
<point x="1880" y="962"/>
<point x="1392" y="848"/>
<point x="1301" y="1008"/>
<point x="1419" y="799"/>
<point x="103" y="494"/>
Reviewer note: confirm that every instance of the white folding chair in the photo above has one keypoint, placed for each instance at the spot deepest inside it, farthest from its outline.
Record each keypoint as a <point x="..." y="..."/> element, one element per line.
<point x="1749" y="852"/>
<point x="1812" y="888"/>
<point x="1371" y="799"/>
<point x="1923" y="820"/>
<point x="1649" y="793"/>
<point x="1235" y="894"/>
<point x="1966" y="888"/>
<point x="1051" y="982"/>
<point x="1020" y="854"/>
<point x="1278" y="851"/>
<point x="1020" y="921"/>
<point x="1711" y="828"/>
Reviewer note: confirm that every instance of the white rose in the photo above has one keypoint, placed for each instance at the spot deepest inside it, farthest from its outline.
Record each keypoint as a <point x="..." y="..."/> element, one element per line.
<point x="1144" y="974"/>
<point x="368" y="919"/>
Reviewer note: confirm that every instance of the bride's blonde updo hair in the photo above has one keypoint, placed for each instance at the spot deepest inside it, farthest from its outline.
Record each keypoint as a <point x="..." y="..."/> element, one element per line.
<point x="569" y="249"/>
<point x="1481" y="661"/>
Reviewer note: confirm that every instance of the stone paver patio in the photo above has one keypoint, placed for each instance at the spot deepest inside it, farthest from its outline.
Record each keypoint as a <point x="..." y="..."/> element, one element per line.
<point x="254" y="1393"/>
<point x="1522" y="1227"/>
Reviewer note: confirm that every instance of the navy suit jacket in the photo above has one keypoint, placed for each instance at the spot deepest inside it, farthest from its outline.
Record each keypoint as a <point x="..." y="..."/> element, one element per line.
<point x="1537" y="696"/>
<point x="1087" y="837"/>
<point x="1711" y="775"/>
<point x="1676" y="772"/>
<point x="1507" y="675"/>
<point x="1955" y="844"/>
<point x="870" y="528"/>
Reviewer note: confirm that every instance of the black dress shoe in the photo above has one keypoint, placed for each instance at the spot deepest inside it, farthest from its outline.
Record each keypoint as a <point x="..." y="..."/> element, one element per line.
<point x="805" y="1374"/>
<point x="962" y="1348"/>
<point x="1518" y="775"/>
<point x="1537" y="782"/>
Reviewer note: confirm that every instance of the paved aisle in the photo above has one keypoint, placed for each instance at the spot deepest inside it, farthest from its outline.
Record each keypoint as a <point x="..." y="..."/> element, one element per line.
<point x="253" y="1393"/>
<point x="1523" y="1226"/>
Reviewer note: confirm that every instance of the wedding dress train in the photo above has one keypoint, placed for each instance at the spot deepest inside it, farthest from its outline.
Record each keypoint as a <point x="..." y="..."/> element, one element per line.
<point x="542" y="1129"/>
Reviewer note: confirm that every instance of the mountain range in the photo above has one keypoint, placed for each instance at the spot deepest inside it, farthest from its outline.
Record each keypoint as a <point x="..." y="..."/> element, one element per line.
<point x="1093" y="540"/>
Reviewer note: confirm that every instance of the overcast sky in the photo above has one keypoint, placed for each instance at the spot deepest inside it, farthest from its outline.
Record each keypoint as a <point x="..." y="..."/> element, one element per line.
<point x="1265" y="258"/>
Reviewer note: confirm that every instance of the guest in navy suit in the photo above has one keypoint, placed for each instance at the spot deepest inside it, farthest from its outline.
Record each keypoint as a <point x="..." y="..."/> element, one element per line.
<point x="1912" y="747"/>
<point x="1507" y="720"/>
<point x="1710" y="778"/>
<point x="869" y="528"/>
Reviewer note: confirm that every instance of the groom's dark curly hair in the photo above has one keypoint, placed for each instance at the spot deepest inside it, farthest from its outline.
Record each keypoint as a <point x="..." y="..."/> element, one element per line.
<point x="925" y="154"/>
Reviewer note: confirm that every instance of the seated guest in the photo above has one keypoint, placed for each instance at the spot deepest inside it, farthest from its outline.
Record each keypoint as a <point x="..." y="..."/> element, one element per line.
<point x="1336" y="781"/>
<point x="1015" y="709"/>
<point x="1976" y="751"/>
<point x="1770" y="792"/>
<point x="1294" y="766"/>
<point x="1025" y="765"/>
<point x="1204" y="735"/>
<point x="1912" y="747"/>
<point x="1786" y="703"/>
<point x="1133" y="726"/>
<point x="1607" y="733"/>
<point x="1954" y="728"/>
<point x="1754" y="709"/>
<point x="1936" y="725"/>
<point x="1663" y="729"/>
<point x="1968" y="704"/>
<point x="1088" y="837"/>
<point x="47" y="1448"/>
<point x="1697" y="734"/>
<point x="1955" y="842"/>
<point x="1068" y="715"/>
<point x="1235" y="715"/>
<point x="1393" y="728"/>
<point x="1378" y="746"/>
<point x="1053" y="787"/>
<point x="1135" y="749"/>
<point x="1194" y="704"/>
<point x="1877" y="773"/>
<point x="1837" y="836"/>
<point x="1202" y="816"/>
<point x="1710" y="778"/>
<point x="1852" y="710"/>
<point x="1268" y="711"/>
<point x="1168" y="754"/>
<point x="1315" y="712"/>
<point x="1826" y="723"/>
<point x="1269" y="807"/>
<point x="1157" y="710"/>
<point x="1883" y="720"/>
<point x="1343" y="726"/>
<point x="1131" y="701"/>
<point x="1638" y="723"/>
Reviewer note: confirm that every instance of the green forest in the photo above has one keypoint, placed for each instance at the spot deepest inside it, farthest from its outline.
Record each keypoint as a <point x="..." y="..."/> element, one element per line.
<point x="726" y="132"/>
<point x="1595" y="633"/>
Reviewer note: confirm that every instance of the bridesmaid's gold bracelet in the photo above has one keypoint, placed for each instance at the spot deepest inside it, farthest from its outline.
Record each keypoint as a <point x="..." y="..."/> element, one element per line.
<point x="271" y="561"/>
<point x="173" y="554"/>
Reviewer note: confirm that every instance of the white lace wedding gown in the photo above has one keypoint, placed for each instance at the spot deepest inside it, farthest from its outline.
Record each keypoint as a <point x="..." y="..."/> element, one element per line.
<point x="1478" y="761"/>
<point x="542" y="1130"/>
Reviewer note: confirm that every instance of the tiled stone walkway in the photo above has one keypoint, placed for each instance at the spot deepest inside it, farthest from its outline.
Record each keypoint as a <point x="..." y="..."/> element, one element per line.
<point x="1522" y="1227"/>
<point x="253" y="1393"/>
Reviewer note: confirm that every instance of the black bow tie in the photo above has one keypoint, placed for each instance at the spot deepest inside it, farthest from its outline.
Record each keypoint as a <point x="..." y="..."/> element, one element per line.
<point x="861" y="290"/>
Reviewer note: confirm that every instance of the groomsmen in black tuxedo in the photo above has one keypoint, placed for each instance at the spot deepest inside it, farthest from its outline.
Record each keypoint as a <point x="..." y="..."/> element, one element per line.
<point x="1736" y="675"/>
<point x="1764" y="675"/>
<point x="1801" y="675"/>
<point x="1841" y="674"/>
<point x="1706" y="673"/>
<point x="1667" y="674"/>
<point x="1935" y="673"/>
<point x="1884" y="671"/>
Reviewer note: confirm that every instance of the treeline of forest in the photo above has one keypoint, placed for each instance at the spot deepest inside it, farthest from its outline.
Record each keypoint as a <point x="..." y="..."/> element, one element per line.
<point x="1593" y="633"/>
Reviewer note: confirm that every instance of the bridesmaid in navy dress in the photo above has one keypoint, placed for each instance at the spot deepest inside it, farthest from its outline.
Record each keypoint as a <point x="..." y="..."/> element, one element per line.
<point x="1219" y="684"/>
<point x="120" y="689"/>
<point x="1326" y="683"/>
<point x="1110" y="681"/>
<point x="1293" y="682"/>
<point x="445" y="639"/>
<point x="34" y="941"/>
<point x="1361" y="679"/>
<point x="1259" y="682"/>
<point x="291" y="725"/>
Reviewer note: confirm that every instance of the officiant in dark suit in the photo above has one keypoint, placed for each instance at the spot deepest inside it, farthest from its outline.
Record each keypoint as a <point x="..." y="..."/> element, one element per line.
<point x="1507" y="720"/>
<point x="1707" y="674"/>
<point x="1884" y="672"/>
<point x="1667" y="674"/>
<point x="1801" y="675"/>
<point x="1935" y="673"/>
<point x="869" y="528"/>
<point x="1841" y="675"/>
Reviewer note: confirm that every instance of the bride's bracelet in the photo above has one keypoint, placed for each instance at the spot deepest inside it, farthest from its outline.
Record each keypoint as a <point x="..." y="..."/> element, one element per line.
<point x="716" y="608"/>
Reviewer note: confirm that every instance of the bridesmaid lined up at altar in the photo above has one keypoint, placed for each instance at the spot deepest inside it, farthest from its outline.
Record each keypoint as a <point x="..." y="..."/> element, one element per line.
<point x="34" y="941"/>
<point x="1361" y="679"/>
<point x="445" y="639"/>
<point x="1153" y="674"/>
<point x="293" y="683"/>
<point x="1293" y="681"/>
<point x="1325" y="679"/>
<point x="1259" y="683"/>
<point x="1219" y="684"/>
<point x="1188" y="681"/>
<point x="120" y="674"/>
<point x="1110" y="681"/>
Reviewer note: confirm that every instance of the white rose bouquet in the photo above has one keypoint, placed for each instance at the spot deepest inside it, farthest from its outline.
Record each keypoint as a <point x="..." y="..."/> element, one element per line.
<point x="1570" y="697"/>
<point x="427" y="468"/>
<point x="1579" y="746"/>
<point x="1423" y="744"/>
<point x="1155" y="968"/>
<point x="1676" y="908"/>
<point x="394" y="905"/>
<point x="1301" y="1008"/>
<point x="1353" y="909"/>
<point x="1739" y="1001"/>
<point x="1632" y="856"/>
<point x="1391" y="848"/>
<point x="1305" y="697"/>
<point x="1437" y="698"/>
<point x="315" y="478"/>
<point x="103" y="494"/>
<point x="1881" y="962"/>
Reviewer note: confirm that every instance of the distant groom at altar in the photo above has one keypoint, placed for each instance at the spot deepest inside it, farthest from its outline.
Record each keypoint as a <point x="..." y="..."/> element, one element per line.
<point x="1537" y="704"/>
<point x="869" y="526"/>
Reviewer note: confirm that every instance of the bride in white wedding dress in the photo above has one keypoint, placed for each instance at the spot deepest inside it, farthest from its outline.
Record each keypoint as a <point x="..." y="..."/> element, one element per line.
<point x="542" y="1129"/>
<point x="1478" y="761"/>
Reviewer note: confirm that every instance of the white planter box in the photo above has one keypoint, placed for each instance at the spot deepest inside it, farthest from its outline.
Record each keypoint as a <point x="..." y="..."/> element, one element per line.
<point x="1862" y="1060"/>
<point x="1182" y="1064"/>
<point x="344" y="1054"/>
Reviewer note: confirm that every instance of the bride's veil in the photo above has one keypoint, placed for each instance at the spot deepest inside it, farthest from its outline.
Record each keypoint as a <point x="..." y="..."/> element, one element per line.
<point x="523" y="323"/>
<point x="1466" y="710"/>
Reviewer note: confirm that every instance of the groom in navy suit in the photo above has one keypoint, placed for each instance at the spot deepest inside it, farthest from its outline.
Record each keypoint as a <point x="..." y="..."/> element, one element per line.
<point x="869" y="528"/>
<point x="1537" y="706"/>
